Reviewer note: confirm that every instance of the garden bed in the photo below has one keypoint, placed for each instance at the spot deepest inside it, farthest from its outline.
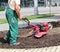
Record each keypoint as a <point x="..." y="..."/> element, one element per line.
<point x="51" y="39"/>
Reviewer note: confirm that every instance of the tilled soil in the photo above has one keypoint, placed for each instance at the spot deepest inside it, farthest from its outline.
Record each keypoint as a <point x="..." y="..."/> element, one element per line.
<point x="51" y="39"/>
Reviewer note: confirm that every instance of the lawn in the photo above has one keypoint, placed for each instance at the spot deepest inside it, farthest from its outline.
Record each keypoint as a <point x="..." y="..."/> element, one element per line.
<point x="2" y="21"/>
<point x="39" y="16"/>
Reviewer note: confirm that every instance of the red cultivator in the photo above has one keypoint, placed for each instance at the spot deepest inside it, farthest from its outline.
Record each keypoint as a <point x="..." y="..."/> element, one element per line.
<point x="38" y="30"/>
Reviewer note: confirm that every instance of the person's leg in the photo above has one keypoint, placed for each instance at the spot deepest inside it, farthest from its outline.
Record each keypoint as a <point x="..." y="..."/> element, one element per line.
<point x="13" y="28"/>
<point x="7" y="36"/>
<point x="8" y="33"/>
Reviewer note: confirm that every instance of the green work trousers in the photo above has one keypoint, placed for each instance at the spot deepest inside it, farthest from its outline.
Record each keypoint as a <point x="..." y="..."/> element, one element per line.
<point x="12" y="19"/>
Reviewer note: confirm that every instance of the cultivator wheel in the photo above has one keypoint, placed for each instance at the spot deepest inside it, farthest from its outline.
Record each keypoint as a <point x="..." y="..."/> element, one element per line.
<point x="50" y="26"/>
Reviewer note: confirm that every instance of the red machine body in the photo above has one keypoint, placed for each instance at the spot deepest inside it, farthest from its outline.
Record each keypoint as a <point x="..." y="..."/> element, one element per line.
<point x="39" y="30"/>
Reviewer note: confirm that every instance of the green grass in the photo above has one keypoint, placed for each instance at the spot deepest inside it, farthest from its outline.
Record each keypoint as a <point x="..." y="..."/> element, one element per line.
<point x="2" y="21"/>
<point x="2" y="8"/>
<point x="39" y="16"/>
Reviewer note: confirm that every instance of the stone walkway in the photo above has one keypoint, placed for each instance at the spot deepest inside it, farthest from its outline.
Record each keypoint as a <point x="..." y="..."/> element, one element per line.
<point x="46" y="49"/>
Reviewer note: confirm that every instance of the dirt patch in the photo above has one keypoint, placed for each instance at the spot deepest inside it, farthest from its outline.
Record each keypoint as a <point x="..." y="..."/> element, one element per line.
<point x="51" y="39"/>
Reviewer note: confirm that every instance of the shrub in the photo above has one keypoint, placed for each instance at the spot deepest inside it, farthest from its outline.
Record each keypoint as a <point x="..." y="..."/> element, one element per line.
<point x="2" y="8"/>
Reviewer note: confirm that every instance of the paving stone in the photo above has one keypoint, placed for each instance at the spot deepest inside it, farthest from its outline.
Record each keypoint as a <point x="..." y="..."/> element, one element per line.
<point x="48" y="49"/>
<point x="58" y="49"/>
<point x="35" y="50"/>
<point x="54" y="49"/>
<point x="30" y="50"/>
<point x="44" y="49"/>
<point x="40" y="50"/>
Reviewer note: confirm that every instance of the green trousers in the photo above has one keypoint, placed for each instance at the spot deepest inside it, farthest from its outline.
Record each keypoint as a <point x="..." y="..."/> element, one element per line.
<point x="12" y="19"/>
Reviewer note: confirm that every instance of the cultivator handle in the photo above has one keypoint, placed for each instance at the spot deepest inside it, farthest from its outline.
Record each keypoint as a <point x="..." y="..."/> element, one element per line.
<point x="26" y="20"/>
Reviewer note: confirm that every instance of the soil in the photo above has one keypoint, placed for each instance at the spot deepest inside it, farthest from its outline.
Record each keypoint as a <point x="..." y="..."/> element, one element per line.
<point x="52" y="38"/>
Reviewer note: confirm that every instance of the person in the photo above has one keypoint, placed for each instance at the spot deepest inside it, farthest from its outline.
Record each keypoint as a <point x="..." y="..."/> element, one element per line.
<point x="12" y="15"/>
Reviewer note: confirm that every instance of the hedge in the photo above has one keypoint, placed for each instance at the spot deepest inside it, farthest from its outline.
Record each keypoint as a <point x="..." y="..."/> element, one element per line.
<point x="2" y="8"/>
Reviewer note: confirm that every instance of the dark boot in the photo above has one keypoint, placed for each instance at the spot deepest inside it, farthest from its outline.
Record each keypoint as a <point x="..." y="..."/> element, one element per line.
<point x="2" y="40"/>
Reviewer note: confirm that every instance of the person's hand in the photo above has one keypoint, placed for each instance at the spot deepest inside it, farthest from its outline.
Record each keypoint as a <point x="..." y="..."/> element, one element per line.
<point x="24" y="19"/>
<point x="20" y="17"/>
